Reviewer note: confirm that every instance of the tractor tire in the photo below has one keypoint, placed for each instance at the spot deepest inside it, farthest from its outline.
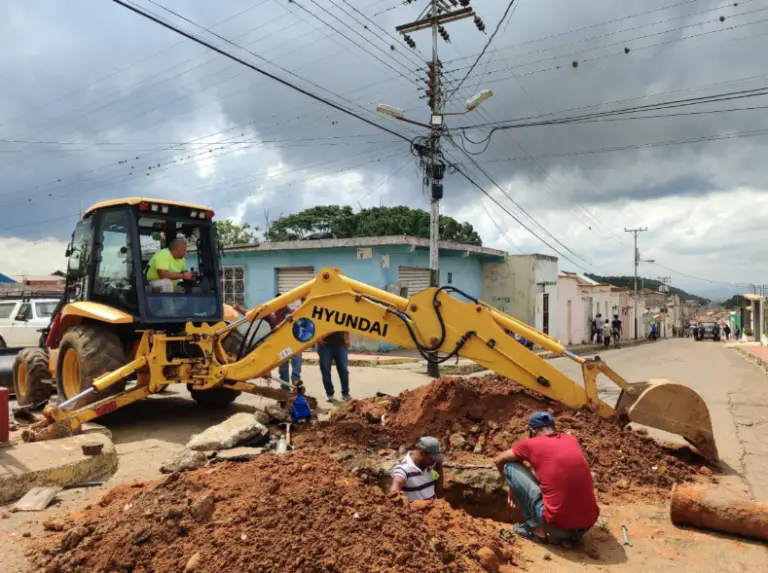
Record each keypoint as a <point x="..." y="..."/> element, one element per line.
<point x="31" y="377"/>
<point x="85" y="353"/>
<point x="215" y="397"/>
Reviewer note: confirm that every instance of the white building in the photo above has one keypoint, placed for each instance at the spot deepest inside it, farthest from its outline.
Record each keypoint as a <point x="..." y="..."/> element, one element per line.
<point x="526" y="287"/>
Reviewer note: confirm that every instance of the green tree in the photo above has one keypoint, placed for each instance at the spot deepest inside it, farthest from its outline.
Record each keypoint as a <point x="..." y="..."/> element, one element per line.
<point x="231" y="234"/>
<point x="736" y="301"/>
<point x="343" y="223"/>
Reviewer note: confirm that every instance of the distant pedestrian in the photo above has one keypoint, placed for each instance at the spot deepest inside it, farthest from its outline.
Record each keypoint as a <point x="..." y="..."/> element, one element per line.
<point x="334" y="348"/>
<point x="599" y="322"/>
<point x="606" y="334"/>
<point x="616" y="330"/>
<point x="737" y="332"/>
<point x="727" y="332"/>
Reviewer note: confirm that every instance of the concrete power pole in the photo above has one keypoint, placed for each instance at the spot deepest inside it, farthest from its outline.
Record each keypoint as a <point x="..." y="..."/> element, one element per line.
<point x="437" y="13"/>
<point x="637" y="262"/>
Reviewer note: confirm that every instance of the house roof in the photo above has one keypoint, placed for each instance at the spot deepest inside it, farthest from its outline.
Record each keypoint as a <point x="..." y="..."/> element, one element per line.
<point x="38" y="278"/>
<point x="389" y="240"/>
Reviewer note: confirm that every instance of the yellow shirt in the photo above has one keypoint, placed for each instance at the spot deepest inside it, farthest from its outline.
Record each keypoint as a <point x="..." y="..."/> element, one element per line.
<point x="163" y="260"/>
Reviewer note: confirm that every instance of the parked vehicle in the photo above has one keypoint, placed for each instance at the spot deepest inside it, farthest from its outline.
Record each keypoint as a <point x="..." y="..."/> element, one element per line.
<point x="22" y="319"/>
<point x="708" y="330"/>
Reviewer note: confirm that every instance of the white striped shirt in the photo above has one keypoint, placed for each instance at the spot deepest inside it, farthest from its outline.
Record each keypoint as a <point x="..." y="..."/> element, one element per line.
<point x="419" y="484"/>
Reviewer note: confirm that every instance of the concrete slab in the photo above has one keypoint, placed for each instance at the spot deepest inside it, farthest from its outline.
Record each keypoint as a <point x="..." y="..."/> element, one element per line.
<point x="55" y="462"/>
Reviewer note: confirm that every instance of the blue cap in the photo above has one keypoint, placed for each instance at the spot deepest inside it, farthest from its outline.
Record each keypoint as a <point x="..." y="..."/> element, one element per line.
<point x="540" y="420"/>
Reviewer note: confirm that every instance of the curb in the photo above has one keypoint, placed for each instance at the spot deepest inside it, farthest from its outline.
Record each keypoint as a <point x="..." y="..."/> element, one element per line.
<point x="54" y="463"/>
<point x="370" y="362"/>
<point x="759" y="362"/>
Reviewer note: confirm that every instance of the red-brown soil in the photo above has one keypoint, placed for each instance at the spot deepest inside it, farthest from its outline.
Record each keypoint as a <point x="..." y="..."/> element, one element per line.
<point x="295" y="512"/>
<point x="491" y="414"/>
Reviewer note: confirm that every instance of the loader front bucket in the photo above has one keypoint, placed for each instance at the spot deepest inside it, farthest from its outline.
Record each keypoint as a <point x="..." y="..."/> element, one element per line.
<point x="671" y="407"/>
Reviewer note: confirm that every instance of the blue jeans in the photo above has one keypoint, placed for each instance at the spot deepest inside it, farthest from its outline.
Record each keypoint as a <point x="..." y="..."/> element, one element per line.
<point x="295" y="366"/>
<point x="328" y="355"/>
<point x="526" y="491"/>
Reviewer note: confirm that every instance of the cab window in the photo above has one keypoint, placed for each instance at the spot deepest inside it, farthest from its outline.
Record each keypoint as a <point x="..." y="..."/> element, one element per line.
<point x="25" y="312"/>
<point x="6" y="309"/>
<point x="114" y="277"/>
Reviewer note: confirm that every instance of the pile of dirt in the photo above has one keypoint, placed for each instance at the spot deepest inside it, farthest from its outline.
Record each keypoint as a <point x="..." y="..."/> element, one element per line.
<point x="293" y="512"/>
<point x="486" y="415"/>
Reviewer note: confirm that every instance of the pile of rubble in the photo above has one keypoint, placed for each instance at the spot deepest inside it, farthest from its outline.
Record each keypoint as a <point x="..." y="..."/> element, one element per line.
<point x="293" y="512"/>
<point x="486" y="415"/>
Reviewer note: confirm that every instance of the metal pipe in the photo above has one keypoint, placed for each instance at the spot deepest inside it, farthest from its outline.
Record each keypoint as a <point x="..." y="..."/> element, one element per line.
<point x="76" y="397"/>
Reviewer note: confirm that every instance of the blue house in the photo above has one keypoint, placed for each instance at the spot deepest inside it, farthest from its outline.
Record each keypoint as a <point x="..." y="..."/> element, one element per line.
<point x="252" y="274"/>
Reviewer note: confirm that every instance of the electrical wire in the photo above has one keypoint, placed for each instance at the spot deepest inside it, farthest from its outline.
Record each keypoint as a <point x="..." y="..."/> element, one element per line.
<point x="482" y="52"/>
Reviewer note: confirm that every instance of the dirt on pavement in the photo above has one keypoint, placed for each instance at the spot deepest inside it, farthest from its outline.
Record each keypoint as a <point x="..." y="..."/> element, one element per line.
<point x="486" y="415"/>
<point x="294" y="512"/>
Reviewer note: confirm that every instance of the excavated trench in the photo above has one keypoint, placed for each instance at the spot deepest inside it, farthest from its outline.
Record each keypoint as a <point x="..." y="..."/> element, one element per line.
<point x="475" y="489"/>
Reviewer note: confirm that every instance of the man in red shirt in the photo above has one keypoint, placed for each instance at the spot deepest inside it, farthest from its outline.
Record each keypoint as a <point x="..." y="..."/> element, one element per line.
<point x="560" y="505"/>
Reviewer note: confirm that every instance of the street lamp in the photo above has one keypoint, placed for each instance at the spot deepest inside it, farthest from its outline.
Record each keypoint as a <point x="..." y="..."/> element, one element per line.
<point x="436" y="121"/>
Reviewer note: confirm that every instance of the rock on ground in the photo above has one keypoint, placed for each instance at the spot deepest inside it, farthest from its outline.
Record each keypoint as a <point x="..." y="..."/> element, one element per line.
<point x="231" y="432"/>
<point x="183" y="461"/>
<point x="277" y="413"/>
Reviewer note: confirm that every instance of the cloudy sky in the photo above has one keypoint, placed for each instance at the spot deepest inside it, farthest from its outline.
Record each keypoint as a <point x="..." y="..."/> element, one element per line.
<point x="98" y="102"/>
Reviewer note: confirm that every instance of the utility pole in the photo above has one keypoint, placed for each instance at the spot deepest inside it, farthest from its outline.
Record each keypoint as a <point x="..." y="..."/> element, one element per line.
<point x="635" y="232"/>
<point x="436" y="13"/>
<point x="664" y="283"/>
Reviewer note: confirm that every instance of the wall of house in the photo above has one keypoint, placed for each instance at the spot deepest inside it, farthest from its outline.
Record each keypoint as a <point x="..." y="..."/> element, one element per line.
<point x="378" y="267"/>
<point x="517" y="287"/>
<point x="545" y="284"/>
<point x="570" y="304"/>
<point x="509" y="287"/>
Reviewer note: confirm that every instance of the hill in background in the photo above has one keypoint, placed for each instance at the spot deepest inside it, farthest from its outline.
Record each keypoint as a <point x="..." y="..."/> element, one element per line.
<point x="629" y="282"/>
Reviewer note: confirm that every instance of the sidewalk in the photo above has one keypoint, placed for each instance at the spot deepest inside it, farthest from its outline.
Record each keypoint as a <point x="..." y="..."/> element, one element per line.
<point x="406" y="359"/>
<point x="753" y="352"/>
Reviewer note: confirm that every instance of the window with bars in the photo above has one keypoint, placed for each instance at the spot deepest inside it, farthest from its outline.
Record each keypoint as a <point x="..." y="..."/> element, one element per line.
<point x="233" y="285"/>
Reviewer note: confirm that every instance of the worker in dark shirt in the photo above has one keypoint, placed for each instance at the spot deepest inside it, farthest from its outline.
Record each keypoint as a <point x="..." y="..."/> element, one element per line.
<point x="290" y="370"/>
<point x="558" y="503"/>
<point x="334" y="348"/>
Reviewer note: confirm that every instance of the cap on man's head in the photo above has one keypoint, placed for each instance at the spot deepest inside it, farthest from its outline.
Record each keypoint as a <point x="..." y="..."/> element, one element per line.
<point x="540" y="420"/>
<point x="431" y="446"/>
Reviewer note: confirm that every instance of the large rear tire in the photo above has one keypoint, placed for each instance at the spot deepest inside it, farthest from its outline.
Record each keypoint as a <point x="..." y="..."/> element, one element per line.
<point x="85" y="353"/>
<point x="31" y="377"/>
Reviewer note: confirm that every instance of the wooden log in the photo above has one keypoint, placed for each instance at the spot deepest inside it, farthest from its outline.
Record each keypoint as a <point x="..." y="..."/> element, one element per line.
<point x="707" y="508"/>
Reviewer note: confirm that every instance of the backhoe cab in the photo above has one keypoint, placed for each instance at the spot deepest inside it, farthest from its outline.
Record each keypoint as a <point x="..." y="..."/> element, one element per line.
<point x="109" y="308"/>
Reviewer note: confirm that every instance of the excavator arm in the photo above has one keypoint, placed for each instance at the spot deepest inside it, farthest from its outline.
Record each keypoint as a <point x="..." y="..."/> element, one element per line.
<point x="436" y="322"/>
<point x="441" y="326"/>
<point x="433" y="321"/>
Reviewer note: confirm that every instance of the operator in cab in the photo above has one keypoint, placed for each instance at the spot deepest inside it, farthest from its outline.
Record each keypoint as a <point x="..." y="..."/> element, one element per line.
<point x="558" y="504"/>
<point x="168" y="266"/>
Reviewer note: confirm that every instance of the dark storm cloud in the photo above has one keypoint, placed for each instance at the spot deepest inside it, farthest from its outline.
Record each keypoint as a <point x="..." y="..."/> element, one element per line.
<point x="87" y="73"/>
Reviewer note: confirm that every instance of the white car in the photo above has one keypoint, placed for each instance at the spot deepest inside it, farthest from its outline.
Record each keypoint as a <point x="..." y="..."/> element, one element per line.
<point x="21" y="320"/>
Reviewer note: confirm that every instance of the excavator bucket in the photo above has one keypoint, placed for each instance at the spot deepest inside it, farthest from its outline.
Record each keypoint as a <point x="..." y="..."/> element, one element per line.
<point x="671" y="407"/>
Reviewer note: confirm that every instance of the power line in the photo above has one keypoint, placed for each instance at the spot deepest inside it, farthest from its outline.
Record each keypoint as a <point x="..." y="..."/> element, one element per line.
<point x="482" y="52"/>
<point x="521" y="208"/>
<point x="504" y="208"/>
<point x="255" y="68"/>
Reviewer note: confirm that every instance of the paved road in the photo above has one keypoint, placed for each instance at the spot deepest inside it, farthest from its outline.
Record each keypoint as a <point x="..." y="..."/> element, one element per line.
<point x="735" y="390"/>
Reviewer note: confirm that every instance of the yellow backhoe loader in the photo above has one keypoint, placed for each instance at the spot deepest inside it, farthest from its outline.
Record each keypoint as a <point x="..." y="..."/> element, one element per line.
<point x="120" y="342"/>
